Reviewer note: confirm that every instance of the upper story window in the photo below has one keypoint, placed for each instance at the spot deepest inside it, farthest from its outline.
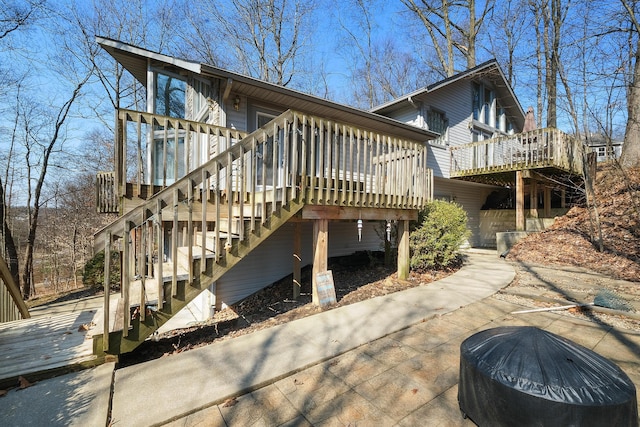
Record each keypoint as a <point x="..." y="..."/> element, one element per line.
<point x="170" y="95"/>
<point x="201" y="92"/>
<point x="437" y="122"/>
<point x="484" y="104"/>
<point x="487" y="111"/>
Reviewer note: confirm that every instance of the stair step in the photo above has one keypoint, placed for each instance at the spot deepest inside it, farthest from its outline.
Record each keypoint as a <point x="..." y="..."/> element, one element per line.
<point x="211" y="241"/>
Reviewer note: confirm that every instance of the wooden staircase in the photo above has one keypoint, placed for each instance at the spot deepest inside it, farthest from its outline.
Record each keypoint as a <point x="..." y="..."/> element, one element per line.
<point x="179" y="241"/>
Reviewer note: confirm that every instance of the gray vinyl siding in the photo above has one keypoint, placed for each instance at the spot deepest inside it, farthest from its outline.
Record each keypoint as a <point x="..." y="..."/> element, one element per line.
<point x="273" y="260"/>
<point x="408" y="114"/>
<point x="471" y="196"/>
<point x="455" y="101"/>
<point x="236" y="119"/>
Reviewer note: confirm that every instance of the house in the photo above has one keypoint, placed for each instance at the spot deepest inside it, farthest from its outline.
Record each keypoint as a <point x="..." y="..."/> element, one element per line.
<point x="226" y="183"/>
<point x="604" y="147"/>
<point x="480" y="147"/>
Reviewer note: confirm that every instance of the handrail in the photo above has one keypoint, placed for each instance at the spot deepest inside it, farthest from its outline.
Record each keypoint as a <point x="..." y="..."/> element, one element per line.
<point x="294" y="158"/>
<point x="546" y="147"/>
<point x="13" y="290"/>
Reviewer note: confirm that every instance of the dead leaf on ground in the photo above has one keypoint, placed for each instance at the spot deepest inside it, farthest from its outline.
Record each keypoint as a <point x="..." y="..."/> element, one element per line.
<point x="3" y="393"/>
<point x="229" y="402"/>
<point x="414" y="391"/>
<point x="23" y="383"/>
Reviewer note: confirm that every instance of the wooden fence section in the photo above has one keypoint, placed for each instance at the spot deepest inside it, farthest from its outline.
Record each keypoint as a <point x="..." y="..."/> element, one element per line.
<point x="106" y="194"/>
<point x="12" y="306"/>
<point x="243" y="193"/>
<point x="528" y="150"/>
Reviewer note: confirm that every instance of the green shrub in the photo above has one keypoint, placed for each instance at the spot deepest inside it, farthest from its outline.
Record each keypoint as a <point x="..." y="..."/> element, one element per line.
<point x="436" y="241"/>
<point x="93" y="272"/>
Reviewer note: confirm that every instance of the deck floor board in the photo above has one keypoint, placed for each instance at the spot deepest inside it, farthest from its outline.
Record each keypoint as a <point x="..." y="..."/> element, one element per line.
<point x="46" y="342"/>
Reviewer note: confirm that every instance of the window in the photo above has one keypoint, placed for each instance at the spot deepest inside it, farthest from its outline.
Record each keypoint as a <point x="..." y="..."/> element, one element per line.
<point x="201" y="91"/>
<point x="437" y="122"/>
<point x="487" y="112"/>
<point x="165" y="161"/>
<point x="602" y="151"/>
<point x="484" y="104"/>
<point x="170" y="96"/>
<point x="476" y="101"/>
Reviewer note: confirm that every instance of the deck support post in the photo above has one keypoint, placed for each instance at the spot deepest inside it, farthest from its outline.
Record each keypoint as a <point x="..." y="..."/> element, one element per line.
<point x="520" y="223"/>
<point x="403" y="251"/>
<point x="533" y="198"/>
<point x="297" y="261"/>
<point x="563" y="198"/>
<point x="547" y="202"/>
<point x="320" y="254"/>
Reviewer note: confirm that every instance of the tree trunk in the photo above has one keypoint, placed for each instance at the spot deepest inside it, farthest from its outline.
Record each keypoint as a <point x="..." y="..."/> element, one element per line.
<point x="630" y="157"/>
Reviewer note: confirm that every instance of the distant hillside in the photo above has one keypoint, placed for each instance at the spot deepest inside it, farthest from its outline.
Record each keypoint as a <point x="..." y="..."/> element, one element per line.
<point x="568" y="241"/>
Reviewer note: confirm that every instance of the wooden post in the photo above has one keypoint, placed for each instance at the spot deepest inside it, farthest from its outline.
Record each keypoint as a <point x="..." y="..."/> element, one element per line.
<point x="403" y="251"/>
<point x="563" y="197"/>
<point x="297" y="250"/>
<point x="520" y="224"/>
<point x="106" y="285"/>
<point x="533" y="198"/>
<point x="547" y="202"/>
<point x="320" y="254"/>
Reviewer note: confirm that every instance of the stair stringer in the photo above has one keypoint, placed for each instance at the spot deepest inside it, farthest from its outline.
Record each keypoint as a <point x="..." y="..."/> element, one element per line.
<point x="141" y="330"/>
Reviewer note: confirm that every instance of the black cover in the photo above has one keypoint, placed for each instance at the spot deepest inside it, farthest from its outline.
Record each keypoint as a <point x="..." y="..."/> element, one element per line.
<point x="519" y="376"/>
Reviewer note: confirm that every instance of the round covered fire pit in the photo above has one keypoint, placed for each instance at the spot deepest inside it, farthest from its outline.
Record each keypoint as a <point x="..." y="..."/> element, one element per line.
<point x="526" y="376"/>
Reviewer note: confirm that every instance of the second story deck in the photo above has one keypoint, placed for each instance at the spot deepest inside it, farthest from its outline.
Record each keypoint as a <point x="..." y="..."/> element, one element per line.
<point x="494" y="160"/>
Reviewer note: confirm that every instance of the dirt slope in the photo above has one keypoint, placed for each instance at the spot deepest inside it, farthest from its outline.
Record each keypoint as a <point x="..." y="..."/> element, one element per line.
<point x="569" y="242"/>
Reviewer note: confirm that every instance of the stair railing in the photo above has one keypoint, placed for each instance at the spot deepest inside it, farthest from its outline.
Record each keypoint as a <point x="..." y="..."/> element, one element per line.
<point x="295" y="157"/>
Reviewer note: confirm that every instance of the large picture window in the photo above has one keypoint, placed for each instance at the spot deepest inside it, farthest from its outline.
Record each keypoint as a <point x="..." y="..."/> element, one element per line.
<point x="170" y="96"/>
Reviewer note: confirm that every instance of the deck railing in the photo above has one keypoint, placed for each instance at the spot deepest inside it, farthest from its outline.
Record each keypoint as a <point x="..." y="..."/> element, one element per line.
<point x="294" y="158"/>
<point x="528" y="150"/>
<point x="106" y="193"/>
<point x="173" y="146"/>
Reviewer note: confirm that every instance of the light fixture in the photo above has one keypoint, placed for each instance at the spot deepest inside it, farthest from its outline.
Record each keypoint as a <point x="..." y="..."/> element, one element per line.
<point x="236" y="103"/>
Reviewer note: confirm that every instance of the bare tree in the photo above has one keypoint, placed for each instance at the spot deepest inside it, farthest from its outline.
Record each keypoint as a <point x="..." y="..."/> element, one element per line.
<point x="16" y="14"/>
<point x="509" y="25"/>
<point x="265" y="39"/>
<point x="454" y="23"/>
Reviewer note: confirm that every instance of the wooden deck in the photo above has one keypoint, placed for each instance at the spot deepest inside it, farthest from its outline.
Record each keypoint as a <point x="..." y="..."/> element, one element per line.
<point x="548" y="149"/>
<point x="56" y="339"/>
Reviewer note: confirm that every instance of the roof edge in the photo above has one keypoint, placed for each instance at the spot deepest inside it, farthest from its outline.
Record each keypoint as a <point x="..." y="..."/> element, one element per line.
<point x="108" y="43"/>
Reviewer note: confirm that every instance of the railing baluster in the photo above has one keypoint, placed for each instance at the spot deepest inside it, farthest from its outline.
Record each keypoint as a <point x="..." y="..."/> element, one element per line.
<point x="294" y="172"/>
<point x="216" y="203"/>
<point x="190" y="231"/>
<point x="263" y="216"/>
<point x="143" y="258"/>
<point x="160" y="272"/>
<point x="174" y="243"/>
<point x="204" y="199"/>
<point x="242" y="191"/>
<point x="359" y="161"/>
<point x="304" y="148"/>
<point x="254" y="181"/>
<point x="321" y="163"/>
<point x="230" y="195"/>
<point x="378" y="170"/>
<point x="106" y="285"/>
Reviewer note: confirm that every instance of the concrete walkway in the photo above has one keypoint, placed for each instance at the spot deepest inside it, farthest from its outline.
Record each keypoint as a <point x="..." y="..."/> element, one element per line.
<point x="391" y="360"/>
